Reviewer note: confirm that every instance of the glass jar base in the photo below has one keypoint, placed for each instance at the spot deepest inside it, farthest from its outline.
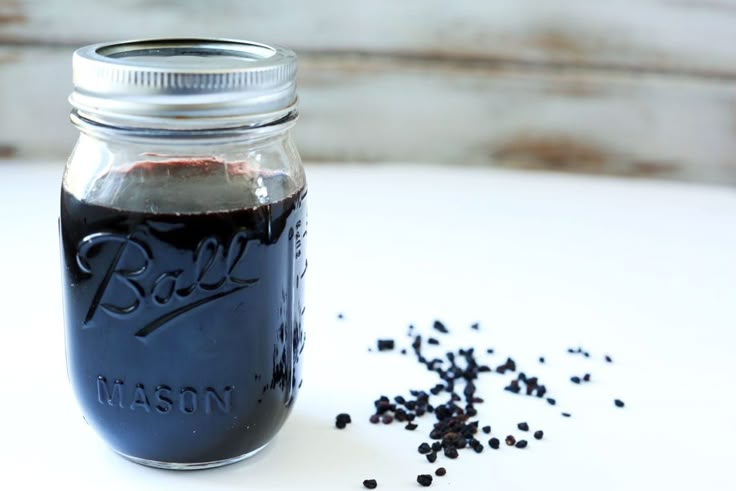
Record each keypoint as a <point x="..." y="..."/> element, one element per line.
<point x="191" y="466"/>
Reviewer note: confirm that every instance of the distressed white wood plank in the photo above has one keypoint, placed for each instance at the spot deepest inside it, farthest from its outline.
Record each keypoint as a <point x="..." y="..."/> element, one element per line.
<point x="567" y="121"/>
<point x="666" y="35"/>
<point x="370" y="109"/>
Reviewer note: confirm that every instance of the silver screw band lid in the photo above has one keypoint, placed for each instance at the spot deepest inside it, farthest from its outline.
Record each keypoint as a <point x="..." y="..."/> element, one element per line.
<point x="183" y="83"/>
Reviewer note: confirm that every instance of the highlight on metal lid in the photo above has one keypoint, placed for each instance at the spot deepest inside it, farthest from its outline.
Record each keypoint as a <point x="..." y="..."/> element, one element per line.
<point x="183" y="83"/>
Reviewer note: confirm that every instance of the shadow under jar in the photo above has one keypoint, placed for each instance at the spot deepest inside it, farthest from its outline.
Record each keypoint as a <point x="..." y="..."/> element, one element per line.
<point x="183" y="224"/>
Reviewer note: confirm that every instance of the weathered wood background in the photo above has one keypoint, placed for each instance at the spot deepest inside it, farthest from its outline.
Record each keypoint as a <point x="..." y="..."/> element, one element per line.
<point x="626" y="87"/>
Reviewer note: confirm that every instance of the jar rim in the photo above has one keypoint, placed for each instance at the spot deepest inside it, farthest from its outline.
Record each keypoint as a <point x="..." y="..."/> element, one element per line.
<point x="183" y="83"/>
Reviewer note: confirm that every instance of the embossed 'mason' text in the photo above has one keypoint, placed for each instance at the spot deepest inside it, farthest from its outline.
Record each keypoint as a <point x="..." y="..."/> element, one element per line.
<point x="163" y="399"/>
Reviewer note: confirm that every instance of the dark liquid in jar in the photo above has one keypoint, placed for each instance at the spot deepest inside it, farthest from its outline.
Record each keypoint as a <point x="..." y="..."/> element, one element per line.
<point x="184" y="329"/>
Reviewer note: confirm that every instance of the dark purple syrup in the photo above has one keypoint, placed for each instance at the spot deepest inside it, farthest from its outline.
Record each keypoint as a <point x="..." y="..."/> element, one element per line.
<point x="183" y="329"/>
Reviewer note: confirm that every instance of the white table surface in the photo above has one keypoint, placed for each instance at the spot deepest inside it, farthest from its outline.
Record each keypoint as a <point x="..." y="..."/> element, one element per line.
<point x="645" y="271"/>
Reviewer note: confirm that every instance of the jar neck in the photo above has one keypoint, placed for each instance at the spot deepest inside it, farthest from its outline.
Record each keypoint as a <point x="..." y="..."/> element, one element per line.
<point x="266" y="128"/>
<point x="107" y="159"/>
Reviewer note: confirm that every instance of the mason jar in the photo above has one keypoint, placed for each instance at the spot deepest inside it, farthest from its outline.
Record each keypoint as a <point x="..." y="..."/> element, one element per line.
<point x="183" y="223"/>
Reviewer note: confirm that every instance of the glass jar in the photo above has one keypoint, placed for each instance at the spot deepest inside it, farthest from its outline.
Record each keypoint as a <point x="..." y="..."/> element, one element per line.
<point x="182" y="227"/>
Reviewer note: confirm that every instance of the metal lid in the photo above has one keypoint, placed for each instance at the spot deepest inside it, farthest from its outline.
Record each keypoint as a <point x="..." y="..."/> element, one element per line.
<point x="183" y="83"/>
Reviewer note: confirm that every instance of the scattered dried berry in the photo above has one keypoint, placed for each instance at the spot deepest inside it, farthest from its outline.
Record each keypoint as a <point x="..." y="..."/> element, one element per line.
<point x="424" y="448"/>
<point x="618" y="403"/>
<point x="509" y="366"/>
<point x="513" y="387"/>
<point x="340" y="316"/>
<point x="341" y="420"/>
<point x="370" y="483"/>
<point x="579" y="351"/>
<point x="441" y="471"/>
<point x="438" y="326"/>
<point x="475" y="326"/>
<point x="452" y="400"/>
<point x="424" y="479"/>
<point x="385" y="344"/>
<point x="532" y="385"/>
